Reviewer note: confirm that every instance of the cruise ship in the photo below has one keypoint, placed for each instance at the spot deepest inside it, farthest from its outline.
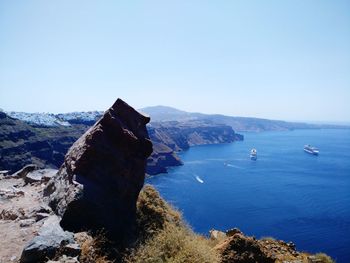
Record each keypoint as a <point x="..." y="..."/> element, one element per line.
<point x="253" y="155"/>
<point x="310" y="149"/>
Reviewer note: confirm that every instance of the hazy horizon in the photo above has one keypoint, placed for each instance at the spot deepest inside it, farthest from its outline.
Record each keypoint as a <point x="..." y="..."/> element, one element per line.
<point x="212" y="113"/>
<point x="266" y="59"/>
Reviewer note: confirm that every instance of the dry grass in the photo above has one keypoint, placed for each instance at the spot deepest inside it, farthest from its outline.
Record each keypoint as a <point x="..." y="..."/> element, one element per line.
<point x="153" y="213"/>
<point x="93" y="250"/>
<point x="268" y="239"/>
<point x="174" y="244"/>
<point x="165" y="237"/>
<point x="323" y="258"/>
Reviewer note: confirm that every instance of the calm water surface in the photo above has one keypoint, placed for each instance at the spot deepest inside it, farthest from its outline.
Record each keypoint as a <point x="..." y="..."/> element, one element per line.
<point x="286" y="193"/>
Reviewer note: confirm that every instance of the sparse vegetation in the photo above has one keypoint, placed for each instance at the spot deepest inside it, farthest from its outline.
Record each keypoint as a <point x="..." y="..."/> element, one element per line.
<point x="268" y="239"/>
<point x="93" y="250"/>
<point x="162" y="237"/>
<point x="165" y="237"/>
<point x="323" y="258"/>
<point x="174" y="244"/>
<point x="153" y="213"/>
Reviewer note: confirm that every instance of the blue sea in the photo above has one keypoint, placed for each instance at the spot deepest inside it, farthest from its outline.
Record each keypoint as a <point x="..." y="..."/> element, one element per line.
<point x="287" y="193"/>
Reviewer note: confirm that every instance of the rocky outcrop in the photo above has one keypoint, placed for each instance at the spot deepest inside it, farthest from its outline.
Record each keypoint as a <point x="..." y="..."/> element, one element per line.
<point x="234" y="246"/>
<point x="24" y="171"/>
<point x="42" y="175"/>
<point x="241" y="249"/>
<point x="49" y="240"/>
<point x="103" y="172"/>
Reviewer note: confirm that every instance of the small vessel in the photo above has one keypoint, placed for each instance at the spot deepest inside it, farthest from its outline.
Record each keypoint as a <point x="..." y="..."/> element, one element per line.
<point x="253" y="154"/>
<point x="310" y="149"/>
<point x="199" y="179"/>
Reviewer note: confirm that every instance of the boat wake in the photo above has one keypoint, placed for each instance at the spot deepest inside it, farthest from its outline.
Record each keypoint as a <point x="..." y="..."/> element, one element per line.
<point x="199" y="179"/>
<point x="233" y="166"/>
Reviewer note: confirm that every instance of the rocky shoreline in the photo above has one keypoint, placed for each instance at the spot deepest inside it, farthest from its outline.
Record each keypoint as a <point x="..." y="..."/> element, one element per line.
<point x="168" y="138"/>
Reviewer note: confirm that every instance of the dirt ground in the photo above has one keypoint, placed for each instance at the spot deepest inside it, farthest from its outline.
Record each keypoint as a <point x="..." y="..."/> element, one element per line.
<point x="19" y="221"/>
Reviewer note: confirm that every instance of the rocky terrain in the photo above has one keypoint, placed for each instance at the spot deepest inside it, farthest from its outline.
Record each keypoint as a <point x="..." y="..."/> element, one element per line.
<point x="44" y="139"/>
<point x="31" y="232"/>
<point x="93" y="209"/>
<point x="45" y="146"/>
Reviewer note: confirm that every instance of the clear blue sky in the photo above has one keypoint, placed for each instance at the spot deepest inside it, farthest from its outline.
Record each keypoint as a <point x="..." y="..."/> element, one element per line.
<point x="275" y="59"/>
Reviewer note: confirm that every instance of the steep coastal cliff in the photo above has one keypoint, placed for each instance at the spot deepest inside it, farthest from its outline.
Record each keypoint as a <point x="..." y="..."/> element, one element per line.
<point x="171" y="137"/>
<point x="45" y="141"/>
<point x="45" y="146"/>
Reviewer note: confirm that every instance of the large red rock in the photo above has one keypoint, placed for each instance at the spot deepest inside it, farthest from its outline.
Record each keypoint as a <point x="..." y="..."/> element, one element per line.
<point x="103" y="172"/>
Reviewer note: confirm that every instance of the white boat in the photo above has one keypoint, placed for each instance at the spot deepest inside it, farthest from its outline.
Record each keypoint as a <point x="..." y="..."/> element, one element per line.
<point x="199" y="179"/>
<point x="310" y="149"/>
<point x="253" y="154"/>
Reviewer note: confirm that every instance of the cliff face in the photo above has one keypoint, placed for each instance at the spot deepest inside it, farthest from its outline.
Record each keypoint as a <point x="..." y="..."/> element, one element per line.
<point x="181" y="135"/>
<point x="98" y="184"/>
<point x="161" y="158"/>
<point x="46" y="146"/>
<point x="22" y="144"/>
<point x="171" y="137"/>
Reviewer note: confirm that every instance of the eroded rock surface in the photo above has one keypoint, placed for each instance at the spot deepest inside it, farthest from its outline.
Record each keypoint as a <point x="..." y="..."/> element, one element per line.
<point x="50" y="239"/>
<point x="103" y="172"/>
<point x="234" y="246"/>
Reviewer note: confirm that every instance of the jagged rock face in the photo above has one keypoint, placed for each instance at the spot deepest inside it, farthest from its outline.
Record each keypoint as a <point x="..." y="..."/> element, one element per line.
<point x="103" y="172"/>
<point x="22" y="144"/>
<point x="181" y="135"/>
<point x="242" y="249"/>
<point x="234" y="246"/>
<point x="161" y="158"/>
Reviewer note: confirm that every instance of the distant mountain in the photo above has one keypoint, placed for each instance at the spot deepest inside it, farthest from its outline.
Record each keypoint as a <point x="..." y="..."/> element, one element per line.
<point x="165" y="113"/>
<point x="240" y="124"/>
